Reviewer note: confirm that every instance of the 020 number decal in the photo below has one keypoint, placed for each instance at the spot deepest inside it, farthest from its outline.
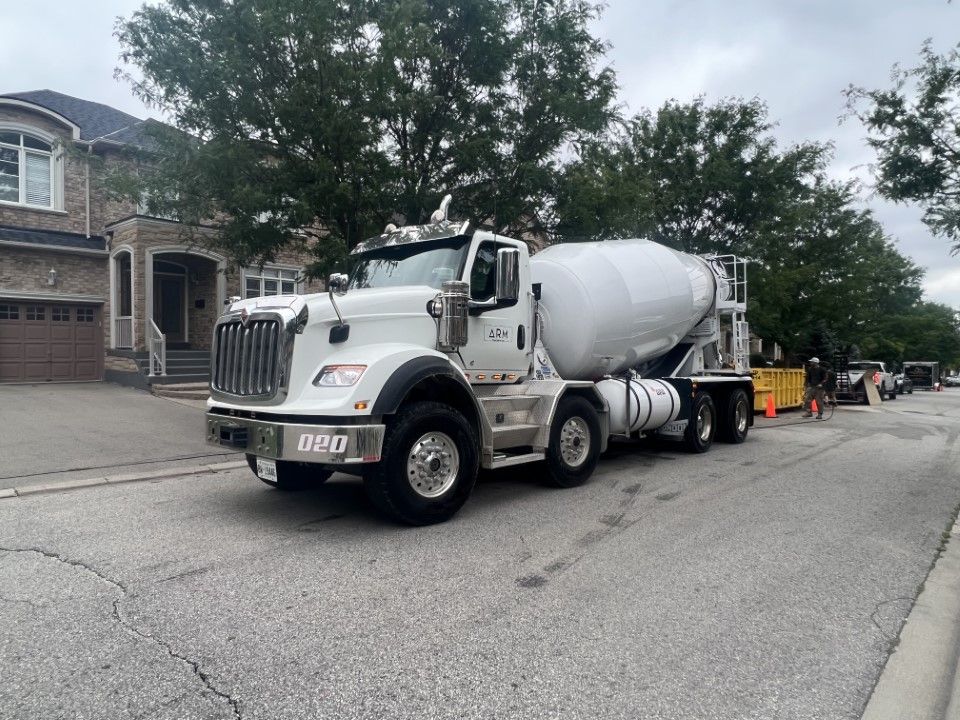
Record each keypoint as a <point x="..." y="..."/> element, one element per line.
<point x="322" y="443"/>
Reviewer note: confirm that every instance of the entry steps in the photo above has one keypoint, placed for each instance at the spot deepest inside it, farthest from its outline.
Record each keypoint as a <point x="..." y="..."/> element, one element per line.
<point x="183" y="366"/>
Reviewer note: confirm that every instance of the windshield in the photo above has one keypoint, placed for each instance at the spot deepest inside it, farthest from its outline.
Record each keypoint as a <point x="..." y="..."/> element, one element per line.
<point x="862" y="366"/>
<point x="416" y="263"/>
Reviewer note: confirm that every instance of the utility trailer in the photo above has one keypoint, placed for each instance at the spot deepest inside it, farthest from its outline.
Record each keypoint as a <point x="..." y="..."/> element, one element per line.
<point x="923" y="374"/>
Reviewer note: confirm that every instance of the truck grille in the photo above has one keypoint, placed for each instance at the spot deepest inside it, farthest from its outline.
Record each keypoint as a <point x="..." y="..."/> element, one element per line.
<point x="247" y="358"/>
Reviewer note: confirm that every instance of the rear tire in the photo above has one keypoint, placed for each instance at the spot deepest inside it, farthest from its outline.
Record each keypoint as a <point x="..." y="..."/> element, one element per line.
<point x="735" y="421"/>
<point x="293" y="476"/>
<point x="698" y="437"/>
<point x="893" y="395"/>
<point x="428" y="465"/>
<point x="574" y="448"/>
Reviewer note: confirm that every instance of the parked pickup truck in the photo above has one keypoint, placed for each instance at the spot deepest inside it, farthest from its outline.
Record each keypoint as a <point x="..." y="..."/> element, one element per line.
<point x="856" y="369"/>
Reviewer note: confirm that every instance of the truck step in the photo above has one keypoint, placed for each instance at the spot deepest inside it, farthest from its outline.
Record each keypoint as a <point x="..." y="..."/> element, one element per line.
<point x="508" y="436"/>
<point x="502" y="460"/>
<point x="506" y="410"/>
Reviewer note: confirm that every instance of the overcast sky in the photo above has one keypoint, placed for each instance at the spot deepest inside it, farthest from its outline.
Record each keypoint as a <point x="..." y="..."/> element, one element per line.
<point x="797" y="55"/>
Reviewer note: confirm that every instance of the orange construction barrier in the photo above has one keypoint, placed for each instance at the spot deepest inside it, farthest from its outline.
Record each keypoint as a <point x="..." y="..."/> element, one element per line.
<point x="771" y="407"/>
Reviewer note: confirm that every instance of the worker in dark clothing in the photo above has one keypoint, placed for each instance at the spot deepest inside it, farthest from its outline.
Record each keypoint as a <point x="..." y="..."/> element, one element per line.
<point x="816" y="377"/>
<point x="830" y="386"/>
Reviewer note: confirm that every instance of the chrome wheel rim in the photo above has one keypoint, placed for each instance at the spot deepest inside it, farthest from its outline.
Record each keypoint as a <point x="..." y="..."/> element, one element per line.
<point x="574" y="441"/>
<point x="704" y="422"/>
<point x="432" y="464"/>
<point x="741" y="417"/>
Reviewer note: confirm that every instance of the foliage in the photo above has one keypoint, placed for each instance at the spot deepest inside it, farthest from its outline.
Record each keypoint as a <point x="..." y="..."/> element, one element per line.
<point x="915" y="128"/>
<point x="332" y="117"/>
<point x="710" y="179"/>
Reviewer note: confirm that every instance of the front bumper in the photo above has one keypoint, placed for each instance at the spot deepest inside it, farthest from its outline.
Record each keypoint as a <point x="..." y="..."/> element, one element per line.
<point x="328" y="444"/>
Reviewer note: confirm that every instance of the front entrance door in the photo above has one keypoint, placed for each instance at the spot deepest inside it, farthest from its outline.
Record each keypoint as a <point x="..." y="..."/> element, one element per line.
<point x="168" y="307"/>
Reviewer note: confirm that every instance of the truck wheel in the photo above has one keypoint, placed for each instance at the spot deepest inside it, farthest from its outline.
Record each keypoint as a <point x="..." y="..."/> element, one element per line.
<point x="735" y="421"/>
<point x="293" y="476"/>
<point x="893" y="394"/>
<point x="428" y="465"/>
<point x="575" y="441"/>
<point x="698" y="436"/>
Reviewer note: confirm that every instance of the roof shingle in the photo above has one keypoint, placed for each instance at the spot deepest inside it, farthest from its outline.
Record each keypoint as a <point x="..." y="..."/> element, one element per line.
<point x="94" y="119"/>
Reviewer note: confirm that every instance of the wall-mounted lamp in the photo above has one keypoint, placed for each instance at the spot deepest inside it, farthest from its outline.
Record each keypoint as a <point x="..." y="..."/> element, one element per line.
<point x="52" y="277"/>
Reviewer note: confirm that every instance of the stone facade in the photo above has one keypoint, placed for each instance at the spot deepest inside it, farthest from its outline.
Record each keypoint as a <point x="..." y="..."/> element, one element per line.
<point x="83" y="207"/>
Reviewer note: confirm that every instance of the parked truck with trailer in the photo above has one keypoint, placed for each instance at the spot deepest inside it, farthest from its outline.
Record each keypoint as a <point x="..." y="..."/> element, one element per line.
<point x="449" y="348"/>
<point x="923" y="374"/>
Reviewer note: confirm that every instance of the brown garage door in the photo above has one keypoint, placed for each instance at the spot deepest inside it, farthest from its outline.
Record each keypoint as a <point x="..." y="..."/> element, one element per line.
<point x="50" y="341"/>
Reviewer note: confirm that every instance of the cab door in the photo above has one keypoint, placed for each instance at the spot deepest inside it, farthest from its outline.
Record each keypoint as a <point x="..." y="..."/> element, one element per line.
<point x="499" y="337"/>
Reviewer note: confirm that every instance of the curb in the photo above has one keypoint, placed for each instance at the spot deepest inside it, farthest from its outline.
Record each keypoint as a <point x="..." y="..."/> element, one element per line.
<point x="119" y="479"/>
<point x="920" y="680"/>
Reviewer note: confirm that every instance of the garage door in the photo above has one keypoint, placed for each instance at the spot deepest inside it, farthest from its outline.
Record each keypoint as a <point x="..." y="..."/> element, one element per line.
<point x="40" y="342"/>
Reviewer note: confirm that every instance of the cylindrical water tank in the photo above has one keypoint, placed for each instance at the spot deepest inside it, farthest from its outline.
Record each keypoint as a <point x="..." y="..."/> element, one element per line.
<point x="639" y="404"/>
<point x="608" y="306"/>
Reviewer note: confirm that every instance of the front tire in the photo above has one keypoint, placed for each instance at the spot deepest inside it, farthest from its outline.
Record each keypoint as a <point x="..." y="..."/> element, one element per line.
<point x="428" y="465"/>
<point x="698" y="437"/>
<point x="735" y="421"/>
<point x="574" y="448"/>
<point x="293" y="476"/>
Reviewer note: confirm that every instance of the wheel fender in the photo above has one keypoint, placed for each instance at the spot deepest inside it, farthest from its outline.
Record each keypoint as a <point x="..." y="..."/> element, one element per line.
<point x="413" y="372"/>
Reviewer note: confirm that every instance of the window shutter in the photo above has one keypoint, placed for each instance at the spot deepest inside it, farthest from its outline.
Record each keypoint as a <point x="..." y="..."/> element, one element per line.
<point x="38" y="179"/>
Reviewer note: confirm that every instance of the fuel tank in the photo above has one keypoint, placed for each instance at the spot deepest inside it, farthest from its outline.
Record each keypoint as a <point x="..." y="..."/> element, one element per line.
<point x="608" y="306"/>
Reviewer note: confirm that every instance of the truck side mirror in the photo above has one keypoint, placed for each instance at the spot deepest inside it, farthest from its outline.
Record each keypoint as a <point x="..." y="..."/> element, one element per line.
<point x="508" y="274"/>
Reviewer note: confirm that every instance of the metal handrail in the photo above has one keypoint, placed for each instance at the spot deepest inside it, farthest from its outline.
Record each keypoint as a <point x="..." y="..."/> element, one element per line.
<point x="123" y="331"/>
<point x="156" y="340"/>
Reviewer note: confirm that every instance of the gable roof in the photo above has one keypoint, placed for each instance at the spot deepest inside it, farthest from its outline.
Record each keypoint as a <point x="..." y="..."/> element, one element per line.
<point x="94" y="119"/>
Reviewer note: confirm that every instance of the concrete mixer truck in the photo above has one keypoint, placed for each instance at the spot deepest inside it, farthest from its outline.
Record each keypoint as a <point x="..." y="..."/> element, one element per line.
<point x="448" y="349"/>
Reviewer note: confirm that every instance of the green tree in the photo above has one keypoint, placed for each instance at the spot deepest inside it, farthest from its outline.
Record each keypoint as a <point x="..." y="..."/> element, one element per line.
<point x="914" y="126"/>
<point x="710" y="178"/>
<point x="332" y="118"/>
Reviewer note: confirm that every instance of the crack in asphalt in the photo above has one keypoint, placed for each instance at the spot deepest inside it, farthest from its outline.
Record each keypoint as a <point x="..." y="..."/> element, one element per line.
<point x="125" y="623"/>
<point x="876" y="609"/>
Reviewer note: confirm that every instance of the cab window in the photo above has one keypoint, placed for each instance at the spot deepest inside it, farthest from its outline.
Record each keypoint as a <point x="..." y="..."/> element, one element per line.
<point x="483" y="275"/>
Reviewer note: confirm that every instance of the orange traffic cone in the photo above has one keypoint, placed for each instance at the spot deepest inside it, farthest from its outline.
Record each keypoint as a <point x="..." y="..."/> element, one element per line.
<point x="813" y="407"/>
<point x="771" y="411"/>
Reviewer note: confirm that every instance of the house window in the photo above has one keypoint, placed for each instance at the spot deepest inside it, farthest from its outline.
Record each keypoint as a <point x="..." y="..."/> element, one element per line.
<point x="60" y="313"/>
<point x="269" y="281"/>
<point x="84" y="314"/>
<point x="26" y="170"/>
<point x="36" y="312"/>
<point x="9" y="312"/>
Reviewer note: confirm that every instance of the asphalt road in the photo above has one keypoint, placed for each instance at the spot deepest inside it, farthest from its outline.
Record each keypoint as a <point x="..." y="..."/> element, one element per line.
<point x="766" y="580"/>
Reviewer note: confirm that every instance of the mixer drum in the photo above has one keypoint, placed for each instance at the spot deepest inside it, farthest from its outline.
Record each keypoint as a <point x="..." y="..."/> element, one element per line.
<point x="608" y="306"/>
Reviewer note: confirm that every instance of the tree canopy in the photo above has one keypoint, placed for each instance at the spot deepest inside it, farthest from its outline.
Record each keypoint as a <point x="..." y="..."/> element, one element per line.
<point x="710" y="178"/>
<point x="914" y="126"/>
<point x="343" y="115"/>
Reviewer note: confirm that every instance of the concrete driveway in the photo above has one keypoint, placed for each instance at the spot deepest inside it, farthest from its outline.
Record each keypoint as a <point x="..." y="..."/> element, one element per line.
<point x="56" y="432"/>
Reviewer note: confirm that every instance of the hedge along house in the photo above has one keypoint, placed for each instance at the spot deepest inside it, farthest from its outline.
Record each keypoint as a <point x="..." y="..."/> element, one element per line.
<point x="88" y="283"/>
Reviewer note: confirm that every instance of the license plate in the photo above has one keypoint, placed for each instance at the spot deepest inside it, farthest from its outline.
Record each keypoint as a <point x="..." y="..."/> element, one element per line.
<point x="674" y="428"/>
<point x="267" y="469"/>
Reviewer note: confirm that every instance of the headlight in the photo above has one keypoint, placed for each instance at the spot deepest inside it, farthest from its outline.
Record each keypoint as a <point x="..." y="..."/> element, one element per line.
<point x="339" y="375"/>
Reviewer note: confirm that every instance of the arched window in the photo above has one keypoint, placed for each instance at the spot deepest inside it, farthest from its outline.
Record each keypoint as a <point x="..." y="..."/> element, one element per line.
<point x="26" y="169"/>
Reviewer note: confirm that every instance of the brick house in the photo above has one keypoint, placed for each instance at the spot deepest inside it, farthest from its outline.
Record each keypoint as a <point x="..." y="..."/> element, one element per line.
<point x="85" y="280"/>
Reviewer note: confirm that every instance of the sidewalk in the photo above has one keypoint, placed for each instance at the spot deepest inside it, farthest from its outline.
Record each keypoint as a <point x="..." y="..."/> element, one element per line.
<point x="921" y="680"/>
